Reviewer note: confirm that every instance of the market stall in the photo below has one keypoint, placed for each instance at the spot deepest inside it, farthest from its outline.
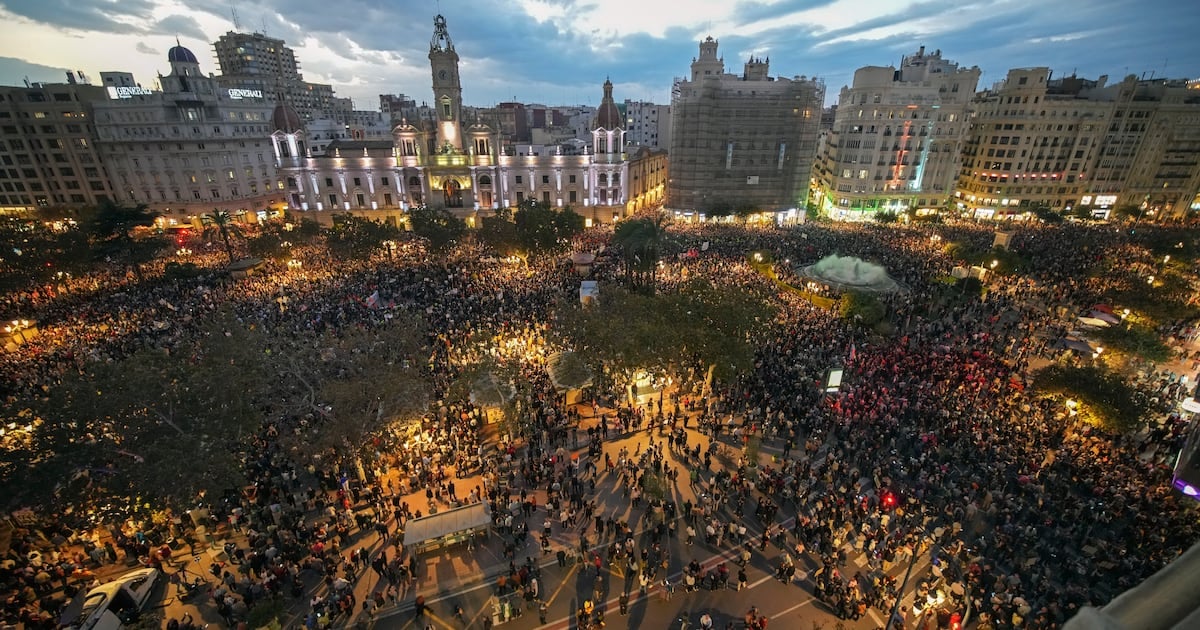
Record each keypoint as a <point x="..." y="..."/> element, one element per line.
<point x="445" y="529"/>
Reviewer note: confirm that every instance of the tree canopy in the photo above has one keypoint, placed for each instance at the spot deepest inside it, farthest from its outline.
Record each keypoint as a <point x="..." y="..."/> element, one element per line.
<point x="357" y="237"/>
<point x="641" y="242"/>
<point x="700" y="322"/>
<point x="534" y="229"/>
<point x="1102" y="397"/>
<point x="437" y="225"/>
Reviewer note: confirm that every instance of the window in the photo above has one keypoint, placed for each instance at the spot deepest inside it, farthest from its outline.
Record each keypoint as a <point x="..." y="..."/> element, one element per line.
<point x="387" y="198"/>
<point x="216" y="194"/>
<point x="230" y="175"/>
<point x="571" y="195"/>
<point x="358" y="182"/>
<point x="545" y="179"/>
<point x="329" y="182"/>
<point x="362" y="200"/>
<point x="546" y="196"/>
<point x="384" y="182"/>
<point x="196" y="194"/>
<point x="572" y="180"/>
<point x="519" y="180"/>
<point x="332" y="200"/>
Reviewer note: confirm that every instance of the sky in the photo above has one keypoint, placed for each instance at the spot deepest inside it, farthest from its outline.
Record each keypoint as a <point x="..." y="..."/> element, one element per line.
<point x="559" y="52"/>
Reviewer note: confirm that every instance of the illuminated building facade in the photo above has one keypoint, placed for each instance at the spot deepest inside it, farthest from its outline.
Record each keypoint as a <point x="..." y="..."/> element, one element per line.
<point x="190" y="149"/>
<point x="468" y="167"/>
<point x="896" y="139"/>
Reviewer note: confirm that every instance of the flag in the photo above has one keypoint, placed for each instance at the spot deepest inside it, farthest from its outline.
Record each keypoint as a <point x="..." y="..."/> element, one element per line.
<point x="853" y="353"/>
<point x="373" y="301"/>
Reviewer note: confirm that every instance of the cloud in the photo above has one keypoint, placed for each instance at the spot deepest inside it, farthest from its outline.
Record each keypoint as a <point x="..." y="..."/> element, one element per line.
<point x="14" y="72"/>
<point x="179" y="26"/>
<point x="86" y="15"/>
<point x="147" y="49"/>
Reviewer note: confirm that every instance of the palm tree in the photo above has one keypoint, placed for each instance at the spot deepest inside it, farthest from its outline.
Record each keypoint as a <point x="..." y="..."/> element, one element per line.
<point x="641" y="241"/>
<point x="222" y="223"/>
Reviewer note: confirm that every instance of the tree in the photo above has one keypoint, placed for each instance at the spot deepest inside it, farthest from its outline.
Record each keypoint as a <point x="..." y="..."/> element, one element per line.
<point x="358" y="237"/>
<point x="541" y="229"/>
<point x="221" y="224"/>
<point x="641" y="242"/>
<point x="268" y="246"/>
<point x="112" y="232"/>
<point x="1101" y="397"/>
<point x="500" y="233"/>
<point x="861" y="308"/>
<point x="628" y="331"/>
<point x="138" y="426"/>
<point x="886" y="216"/>
<point x="437" y="225"/>
<point x="1135" y="339"/>
<point x="352" y="383"/>
<point x="1047" y="215"/>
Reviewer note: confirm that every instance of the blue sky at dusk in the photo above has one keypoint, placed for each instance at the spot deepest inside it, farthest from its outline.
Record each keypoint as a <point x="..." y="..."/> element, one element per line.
<point x="560" y="51"/>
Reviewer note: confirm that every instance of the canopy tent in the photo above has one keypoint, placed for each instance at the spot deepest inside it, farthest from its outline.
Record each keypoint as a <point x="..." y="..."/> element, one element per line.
<point x="462" y="519"/>
<point x="1108" y="317"/>
<point x="1093" y="322"/>
<point x="568" y="371"/>
<point x="1076" y="345"/>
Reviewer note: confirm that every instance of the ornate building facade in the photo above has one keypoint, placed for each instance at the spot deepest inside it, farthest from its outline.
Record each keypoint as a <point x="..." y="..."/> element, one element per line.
<point x="468" y="167"/>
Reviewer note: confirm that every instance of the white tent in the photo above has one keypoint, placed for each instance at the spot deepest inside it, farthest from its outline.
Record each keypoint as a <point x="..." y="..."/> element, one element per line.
<point x="462" y="519"/>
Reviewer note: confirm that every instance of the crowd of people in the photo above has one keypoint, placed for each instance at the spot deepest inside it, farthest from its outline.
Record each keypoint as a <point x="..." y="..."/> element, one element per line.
<point x="935" y="447"/>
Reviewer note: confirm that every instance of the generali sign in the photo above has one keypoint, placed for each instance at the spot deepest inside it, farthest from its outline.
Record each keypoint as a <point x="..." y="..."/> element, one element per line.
<point x="238" y="94"/>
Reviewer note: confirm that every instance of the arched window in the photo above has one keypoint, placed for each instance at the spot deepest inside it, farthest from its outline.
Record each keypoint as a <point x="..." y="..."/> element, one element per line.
<point x="485" y="180"/>
<point x="414" y="181"/>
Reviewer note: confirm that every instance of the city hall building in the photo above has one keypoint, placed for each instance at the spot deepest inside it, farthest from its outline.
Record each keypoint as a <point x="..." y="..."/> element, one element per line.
<point x="465" y="166"/>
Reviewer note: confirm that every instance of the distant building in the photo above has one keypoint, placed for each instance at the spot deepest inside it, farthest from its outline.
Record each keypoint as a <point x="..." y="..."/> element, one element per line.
<point x="48" y="151"/>
<point x="745" y="140"/>
<point x="896" y="139"/>
<point x="469" y="166"/>
<point x="648" y="124"/>
<point x="396" y="107"/>
<point x="257" y="62"/>
<point x="192" y="148"/>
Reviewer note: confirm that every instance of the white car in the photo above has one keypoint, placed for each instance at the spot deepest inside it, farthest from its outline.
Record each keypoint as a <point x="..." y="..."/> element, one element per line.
<point x="111" y="605"/>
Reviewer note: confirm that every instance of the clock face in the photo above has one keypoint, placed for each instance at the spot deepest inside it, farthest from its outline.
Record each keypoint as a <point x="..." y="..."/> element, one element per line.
<point x="442" y="75"/>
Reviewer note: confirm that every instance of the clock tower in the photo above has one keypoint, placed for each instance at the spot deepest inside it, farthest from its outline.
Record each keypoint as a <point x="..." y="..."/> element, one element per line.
<point x="447" y="91"/>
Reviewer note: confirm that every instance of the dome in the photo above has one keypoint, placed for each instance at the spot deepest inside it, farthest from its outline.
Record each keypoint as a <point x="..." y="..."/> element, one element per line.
<point x="607" y="115"/>
<point x="180" y="54"/>
<point x="285" y="119"/>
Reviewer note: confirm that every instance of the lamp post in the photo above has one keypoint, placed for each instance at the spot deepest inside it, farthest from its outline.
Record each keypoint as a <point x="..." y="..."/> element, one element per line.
<point x="17" y="330"/>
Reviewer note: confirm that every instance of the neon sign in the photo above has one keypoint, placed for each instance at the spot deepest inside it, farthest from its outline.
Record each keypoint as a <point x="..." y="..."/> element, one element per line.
<point x="127" y="91"/>
<point x="238" y="94"/>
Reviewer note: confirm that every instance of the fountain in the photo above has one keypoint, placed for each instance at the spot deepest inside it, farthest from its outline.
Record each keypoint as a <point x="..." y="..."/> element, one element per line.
<point x="846" y="273"/>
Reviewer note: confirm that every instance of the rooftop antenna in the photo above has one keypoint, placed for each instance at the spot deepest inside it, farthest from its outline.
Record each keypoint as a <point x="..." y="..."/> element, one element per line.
<point x="264" y="23"/>
<point x="237" y="24"/>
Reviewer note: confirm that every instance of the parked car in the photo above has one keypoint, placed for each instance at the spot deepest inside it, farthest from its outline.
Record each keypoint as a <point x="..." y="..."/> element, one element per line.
<point x="111" y="605"/>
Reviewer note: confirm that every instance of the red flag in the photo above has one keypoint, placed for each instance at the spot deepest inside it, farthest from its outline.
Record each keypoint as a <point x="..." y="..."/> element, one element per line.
<point x="853" y="353"/>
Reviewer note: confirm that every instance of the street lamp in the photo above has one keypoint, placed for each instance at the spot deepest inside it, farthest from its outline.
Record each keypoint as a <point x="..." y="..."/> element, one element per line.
<point x="17" y="329"/>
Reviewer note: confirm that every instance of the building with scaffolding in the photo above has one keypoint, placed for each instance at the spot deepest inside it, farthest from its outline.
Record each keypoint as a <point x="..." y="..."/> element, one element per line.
<point x="741" y="142"/>
<point x="896" y="140"/>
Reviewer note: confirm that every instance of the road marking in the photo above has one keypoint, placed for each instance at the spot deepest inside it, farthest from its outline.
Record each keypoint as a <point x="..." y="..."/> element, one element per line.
<point x="566" y="580"/>
<point x="803" y="603"/>
<point x="760" y="580"/>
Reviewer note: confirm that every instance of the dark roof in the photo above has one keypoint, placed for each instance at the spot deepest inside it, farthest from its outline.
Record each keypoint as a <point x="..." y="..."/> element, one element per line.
<point x="180" y="54"/>
<point x="285" y="119"/>
<point x="608" y="116"/>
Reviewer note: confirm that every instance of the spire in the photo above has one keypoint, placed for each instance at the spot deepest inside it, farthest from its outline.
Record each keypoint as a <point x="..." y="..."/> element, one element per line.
<point x="441" y="36"/>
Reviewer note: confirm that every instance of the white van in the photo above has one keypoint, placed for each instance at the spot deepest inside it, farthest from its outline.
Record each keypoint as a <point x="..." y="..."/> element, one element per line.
<point x="111" y="605"/>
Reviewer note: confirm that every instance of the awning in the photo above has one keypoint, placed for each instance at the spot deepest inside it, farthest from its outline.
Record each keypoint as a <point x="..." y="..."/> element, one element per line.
<point x="462" y="519"/>
<point x="1108" y="317"/>
<point x="1093" y="322"/>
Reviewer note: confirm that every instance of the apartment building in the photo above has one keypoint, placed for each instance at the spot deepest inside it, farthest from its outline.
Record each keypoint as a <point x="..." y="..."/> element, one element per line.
<point x="896" y="139"/>
<point x="48" y="151"/>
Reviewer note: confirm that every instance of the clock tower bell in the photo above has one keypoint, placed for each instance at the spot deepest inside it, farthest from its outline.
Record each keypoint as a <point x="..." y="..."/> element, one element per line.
<point x="447" y="91"/>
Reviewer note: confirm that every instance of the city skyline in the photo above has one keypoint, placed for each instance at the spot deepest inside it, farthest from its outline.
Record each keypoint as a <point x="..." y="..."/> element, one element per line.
<point x="569" y="48"/>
